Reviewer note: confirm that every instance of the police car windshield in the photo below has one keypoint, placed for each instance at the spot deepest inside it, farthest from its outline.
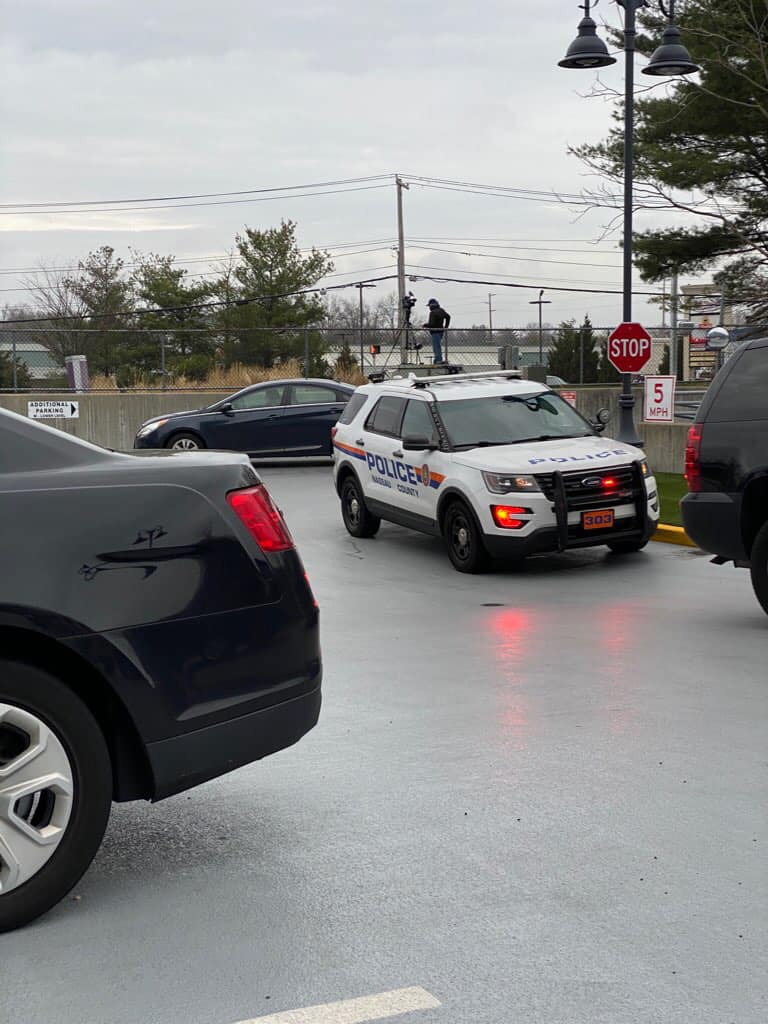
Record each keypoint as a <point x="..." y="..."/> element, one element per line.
<point x="511" y="419"/>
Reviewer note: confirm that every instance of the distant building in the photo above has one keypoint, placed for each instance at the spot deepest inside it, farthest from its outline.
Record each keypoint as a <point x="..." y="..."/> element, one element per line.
<point x="38" y="361"/>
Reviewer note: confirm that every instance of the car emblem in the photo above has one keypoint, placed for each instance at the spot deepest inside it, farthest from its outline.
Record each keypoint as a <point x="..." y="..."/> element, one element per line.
<point x="592" y="481"/>
<point x="425" y="475"/>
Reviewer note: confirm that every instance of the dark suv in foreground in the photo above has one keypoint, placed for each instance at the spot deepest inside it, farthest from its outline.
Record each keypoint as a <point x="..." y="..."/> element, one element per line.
<point x="726" y="465"/>
<point x="156" y="630"/>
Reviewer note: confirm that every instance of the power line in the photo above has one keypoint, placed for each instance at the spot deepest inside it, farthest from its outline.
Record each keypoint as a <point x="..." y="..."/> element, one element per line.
<point x="521" y="248"/>
<point x="185" y="206"/>
<point x="529" y="287"/>
<point x="533" y="195"/>
<point x="518" y="259"/>
<point x="328" y="246"/>
<point x="201" y="195"/>
<point x="210" y="273"/>
<point x="35" y="288"/>
<point x="519" y="277"/>
<point x="191" y="307"/>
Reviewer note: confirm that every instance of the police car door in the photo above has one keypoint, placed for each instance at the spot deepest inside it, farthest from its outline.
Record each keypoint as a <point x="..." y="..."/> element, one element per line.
<point x="380" y="439"/>
<point x="422" y="468"/>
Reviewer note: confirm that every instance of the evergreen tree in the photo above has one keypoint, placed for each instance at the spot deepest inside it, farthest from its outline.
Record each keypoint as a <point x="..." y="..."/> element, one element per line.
<point x="565" y="357"/>
<point x="272" y="268"/>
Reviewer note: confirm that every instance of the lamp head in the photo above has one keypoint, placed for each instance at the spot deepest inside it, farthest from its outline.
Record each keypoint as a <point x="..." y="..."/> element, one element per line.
<point x="587" y="50"/>
<point x="671" y="59"/>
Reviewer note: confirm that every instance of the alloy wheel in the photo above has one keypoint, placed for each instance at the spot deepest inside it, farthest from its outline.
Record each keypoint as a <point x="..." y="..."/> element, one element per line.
<point x="36" y="795"/>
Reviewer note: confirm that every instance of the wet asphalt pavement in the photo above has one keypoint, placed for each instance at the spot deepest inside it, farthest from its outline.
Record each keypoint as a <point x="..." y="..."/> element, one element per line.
<point x="538" y="794"/>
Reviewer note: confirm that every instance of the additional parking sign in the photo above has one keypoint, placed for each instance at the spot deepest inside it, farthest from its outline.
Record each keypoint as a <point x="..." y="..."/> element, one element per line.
<point x="659" y="400"/>
<point x="44" y="410"/>
<point x="569" y="396"/>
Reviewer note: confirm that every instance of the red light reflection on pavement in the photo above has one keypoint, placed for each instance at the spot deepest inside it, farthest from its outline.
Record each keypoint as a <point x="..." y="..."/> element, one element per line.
<point x="618" y="633"/>
<point x="511" y="631"/>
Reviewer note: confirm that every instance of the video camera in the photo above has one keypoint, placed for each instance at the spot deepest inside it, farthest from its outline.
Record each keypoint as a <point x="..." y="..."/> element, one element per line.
<point x="409" y="301"/>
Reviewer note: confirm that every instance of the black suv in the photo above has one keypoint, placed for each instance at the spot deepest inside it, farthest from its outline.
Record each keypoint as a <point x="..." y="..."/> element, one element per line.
<point x="726" y="466"/>
<point x="156" y="630"/>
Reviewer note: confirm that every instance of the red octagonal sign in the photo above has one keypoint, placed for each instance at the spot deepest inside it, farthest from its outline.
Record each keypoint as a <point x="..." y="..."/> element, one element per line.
<point x="629" y="348"/>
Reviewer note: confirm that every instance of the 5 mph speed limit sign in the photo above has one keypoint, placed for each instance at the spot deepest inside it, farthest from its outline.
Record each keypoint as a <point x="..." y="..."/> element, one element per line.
<point x="659" y="400"/>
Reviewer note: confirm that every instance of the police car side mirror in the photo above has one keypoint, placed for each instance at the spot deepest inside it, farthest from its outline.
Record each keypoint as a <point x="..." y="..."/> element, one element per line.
<point x="601" y="420"/>
<point x="417" y="443"/>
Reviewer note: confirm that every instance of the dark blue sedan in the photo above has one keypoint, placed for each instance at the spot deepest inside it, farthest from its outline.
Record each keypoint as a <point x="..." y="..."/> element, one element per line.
<point x="281" y="419"/>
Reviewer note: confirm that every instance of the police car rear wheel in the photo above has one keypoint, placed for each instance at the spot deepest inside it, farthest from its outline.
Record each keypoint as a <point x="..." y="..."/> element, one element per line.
<point x="465" y="543"/>
<point x="627" y="547"/>
<point x="357" y="519"/>
<point x="759" y="567"/>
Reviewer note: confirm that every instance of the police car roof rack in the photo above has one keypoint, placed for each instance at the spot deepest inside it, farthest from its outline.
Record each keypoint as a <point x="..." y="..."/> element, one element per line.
<point x="428" y="382"/>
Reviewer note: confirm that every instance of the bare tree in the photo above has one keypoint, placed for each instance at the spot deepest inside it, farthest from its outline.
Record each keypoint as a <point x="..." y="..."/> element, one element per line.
<point x="59" y="309"/>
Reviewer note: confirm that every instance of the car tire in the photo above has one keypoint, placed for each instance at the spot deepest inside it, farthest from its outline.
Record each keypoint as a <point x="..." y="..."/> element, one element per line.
<point x="759" y="567"/>
<point x="359" y="521"/>
<point x="627" y="547"/>
<point x="50" y="835"/>
<point x="464" y="540"/>
<point x="185" y="442"/>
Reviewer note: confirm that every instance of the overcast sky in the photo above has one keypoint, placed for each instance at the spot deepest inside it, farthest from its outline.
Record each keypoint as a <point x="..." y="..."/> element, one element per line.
<point x="143" y="99"/>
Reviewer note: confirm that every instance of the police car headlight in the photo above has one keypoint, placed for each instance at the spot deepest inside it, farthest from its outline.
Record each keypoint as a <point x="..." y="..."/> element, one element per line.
<point x="645" y="469"/>
<point x="150" y="427"/>
<point x="504" y="483"/>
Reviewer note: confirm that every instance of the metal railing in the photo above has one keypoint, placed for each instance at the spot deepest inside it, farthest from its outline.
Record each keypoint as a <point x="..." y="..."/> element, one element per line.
<point x="51" y="358"/>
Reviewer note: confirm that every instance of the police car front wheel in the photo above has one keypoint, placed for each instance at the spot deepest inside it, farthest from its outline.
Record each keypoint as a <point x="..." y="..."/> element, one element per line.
<point x="465" y="543"/>
<point x="357" y="519"/>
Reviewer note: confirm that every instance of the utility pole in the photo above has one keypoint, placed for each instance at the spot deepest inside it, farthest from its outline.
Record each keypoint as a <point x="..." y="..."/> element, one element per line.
<point x="540" y="303"/>
<point x="401" y="267"/>
<point x="491" y="295"/>
<point x="674" y="301"/>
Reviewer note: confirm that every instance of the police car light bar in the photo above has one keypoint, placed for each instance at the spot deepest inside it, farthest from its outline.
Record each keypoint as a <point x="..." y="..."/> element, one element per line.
<point x="427" y="382"/>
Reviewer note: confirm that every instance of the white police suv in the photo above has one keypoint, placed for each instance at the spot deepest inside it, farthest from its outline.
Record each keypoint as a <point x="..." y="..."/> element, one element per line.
<point x="498" y="466"/>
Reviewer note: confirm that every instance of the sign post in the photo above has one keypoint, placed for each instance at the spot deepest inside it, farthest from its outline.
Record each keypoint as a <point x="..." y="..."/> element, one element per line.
<point x="659" y="405"/>
<point x="629" y="349"/>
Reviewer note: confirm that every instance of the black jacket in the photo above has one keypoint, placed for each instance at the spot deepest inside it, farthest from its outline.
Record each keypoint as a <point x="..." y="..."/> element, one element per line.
<point x="438" y="319"/>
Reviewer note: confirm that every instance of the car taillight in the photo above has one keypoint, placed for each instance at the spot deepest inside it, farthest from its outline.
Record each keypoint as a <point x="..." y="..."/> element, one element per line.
<point x="334" y="432"/>
<point x="262" y="518"/>
<point x="693" y="458"/>
<point x="505" y="516"/>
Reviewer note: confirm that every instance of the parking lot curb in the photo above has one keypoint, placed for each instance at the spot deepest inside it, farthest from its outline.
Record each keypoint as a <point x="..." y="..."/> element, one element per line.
<point x="673" y="535"/>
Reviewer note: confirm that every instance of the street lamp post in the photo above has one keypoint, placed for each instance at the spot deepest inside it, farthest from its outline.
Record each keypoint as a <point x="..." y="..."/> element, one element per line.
<point x="670" y="59"/>
<point x="360" y="285"/>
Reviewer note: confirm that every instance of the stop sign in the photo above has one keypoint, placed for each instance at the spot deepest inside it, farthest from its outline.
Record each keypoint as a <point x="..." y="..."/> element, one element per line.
<point x="629" y="348"/>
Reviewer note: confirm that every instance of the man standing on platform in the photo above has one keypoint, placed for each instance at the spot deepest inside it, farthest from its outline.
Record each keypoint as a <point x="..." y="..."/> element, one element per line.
<point x="436" y="325"/>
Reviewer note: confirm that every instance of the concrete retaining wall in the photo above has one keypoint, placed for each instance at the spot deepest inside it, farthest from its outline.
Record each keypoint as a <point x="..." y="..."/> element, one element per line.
<point x="112" y="419"/>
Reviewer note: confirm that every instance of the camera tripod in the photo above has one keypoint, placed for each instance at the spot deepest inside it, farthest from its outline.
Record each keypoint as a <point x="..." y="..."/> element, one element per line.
<point x="407" y="328"/>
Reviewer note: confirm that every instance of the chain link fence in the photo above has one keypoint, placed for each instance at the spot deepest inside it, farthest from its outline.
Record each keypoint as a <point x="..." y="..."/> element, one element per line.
<point x="42" y="358"/>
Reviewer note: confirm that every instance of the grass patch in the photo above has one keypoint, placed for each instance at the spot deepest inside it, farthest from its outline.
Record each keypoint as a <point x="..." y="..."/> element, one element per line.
<point x="672" y="487"/>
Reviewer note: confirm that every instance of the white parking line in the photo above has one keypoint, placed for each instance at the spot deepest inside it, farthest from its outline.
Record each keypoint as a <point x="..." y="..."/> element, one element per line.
<point x="355" y="1011"/>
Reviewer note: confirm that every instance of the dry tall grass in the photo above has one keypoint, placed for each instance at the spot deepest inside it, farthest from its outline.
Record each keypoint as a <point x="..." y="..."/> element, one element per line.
<point x="231" y="378"/>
